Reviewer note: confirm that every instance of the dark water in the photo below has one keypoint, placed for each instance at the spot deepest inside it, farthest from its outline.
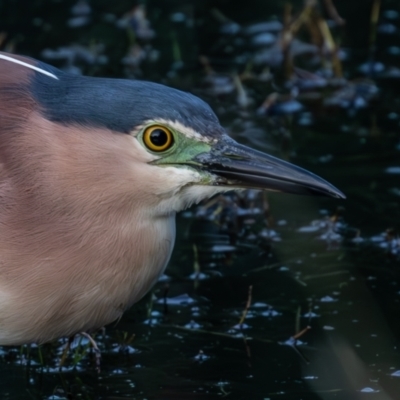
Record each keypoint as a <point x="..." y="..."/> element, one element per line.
<point x="323" y="320"/>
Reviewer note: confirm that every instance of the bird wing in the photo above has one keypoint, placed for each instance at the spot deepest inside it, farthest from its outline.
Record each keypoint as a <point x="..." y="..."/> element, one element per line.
<point x="16" y="100"/>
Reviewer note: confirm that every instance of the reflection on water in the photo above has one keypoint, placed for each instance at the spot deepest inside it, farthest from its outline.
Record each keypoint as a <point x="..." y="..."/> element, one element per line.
<point x="266" y="296"/>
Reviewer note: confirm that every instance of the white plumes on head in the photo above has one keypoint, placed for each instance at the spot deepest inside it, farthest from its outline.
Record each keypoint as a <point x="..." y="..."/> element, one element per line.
<point x="24" y="64"/>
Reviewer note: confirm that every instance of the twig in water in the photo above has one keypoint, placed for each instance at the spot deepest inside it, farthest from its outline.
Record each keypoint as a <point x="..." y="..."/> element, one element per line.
<point x="300" y="354"/>
<point x="267" y="210"/>
<point x="248" y="351"/>
<point x="65" y="351"/>
<point x="293" y="344"/>
<point x="333" y="13"/>
<point x="298" y="335"/>
<point x="214" y="333"/>
<point x="246" y="309"/>
<point x="286" y="40"/>
<point x="97" y="351"/>
<point x="376" y="6"/>
<point x="196" y="266"/>
<point x="330" y="46"/>
<point x="242" y="97"/>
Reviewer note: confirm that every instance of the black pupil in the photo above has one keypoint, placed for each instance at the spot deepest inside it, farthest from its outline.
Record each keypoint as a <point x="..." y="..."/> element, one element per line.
<point x="159" y="137"/>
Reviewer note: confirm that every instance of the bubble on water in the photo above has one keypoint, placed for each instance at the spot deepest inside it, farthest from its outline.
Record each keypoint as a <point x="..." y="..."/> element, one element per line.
<point x="181" y="300"/>
<point x="369" y="390"/>
<point x="328" y="299"/>
<point x="328" y="328"/>
<point x="396" y="373"/>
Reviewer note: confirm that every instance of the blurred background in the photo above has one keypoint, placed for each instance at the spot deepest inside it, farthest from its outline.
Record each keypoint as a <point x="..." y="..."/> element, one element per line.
<point x="267" y="296"/>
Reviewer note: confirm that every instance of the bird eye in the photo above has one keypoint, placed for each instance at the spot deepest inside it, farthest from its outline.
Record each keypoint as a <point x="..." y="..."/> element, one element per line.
<point x="157" y="138"/>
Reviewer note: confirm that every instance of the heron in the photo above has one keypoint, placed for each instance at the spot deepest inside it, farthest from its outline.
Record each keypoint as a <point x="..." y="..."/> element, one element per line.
<point x="92" y="173"/>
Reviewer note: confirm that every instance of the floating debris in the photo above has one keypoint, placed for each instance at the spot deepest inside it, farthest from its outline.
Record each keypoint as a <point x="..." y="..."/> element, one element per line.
<point x="81" y="14"/>
<point x="125" y="349"/>
<point x="369" y="390"/>
<point x="328" y="328"/>
<point x="270" y="313"/>
<point x="393" y="170"/>
<point x="198" y="276"/>
<point x="181" y="300"/>
<point x="239" y="327"/>
<point x="327" y="299"/>
<point x="193" y="325"/>
<point x="372" y="68"/>
<point x="311" y="314"/>
<point x="201" y="357"/>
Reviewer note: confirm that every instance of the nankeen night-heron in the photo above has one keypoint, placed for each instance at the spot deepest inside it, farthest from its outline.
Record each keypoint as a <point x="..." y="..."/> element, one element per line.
<point x="92" y="173"/>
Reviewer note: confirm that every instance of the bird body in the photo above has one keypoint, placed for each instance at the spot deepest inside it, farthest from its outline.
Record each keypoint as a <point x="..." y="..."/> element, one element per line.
<point x="63" y="250"/>
<point x="92" y="173"/>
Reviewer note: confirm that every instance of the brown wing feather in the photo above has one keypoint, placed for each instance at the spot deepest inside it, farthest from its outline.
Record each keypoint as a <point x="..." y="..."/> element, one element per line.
<point x="16" y="102"/>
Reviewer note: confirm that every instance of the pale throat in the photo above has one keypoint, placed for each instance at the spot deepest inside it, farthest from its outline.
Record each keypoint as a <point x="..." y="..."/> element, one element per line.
<point x="182" y="188"/>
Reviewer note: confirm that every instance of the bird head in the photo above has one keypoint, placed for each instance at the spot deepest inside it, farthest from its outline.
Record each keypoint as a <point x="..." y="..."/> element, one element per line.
<point x="195" y="158"/>
<point x="179" y="151"/>
<point x="198" y="165"/>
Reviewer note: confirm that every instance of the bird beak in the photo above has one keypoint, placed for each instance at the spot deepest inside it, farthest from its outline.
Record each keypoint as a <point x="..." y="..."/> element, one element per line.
<point x="241" y="167"/>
